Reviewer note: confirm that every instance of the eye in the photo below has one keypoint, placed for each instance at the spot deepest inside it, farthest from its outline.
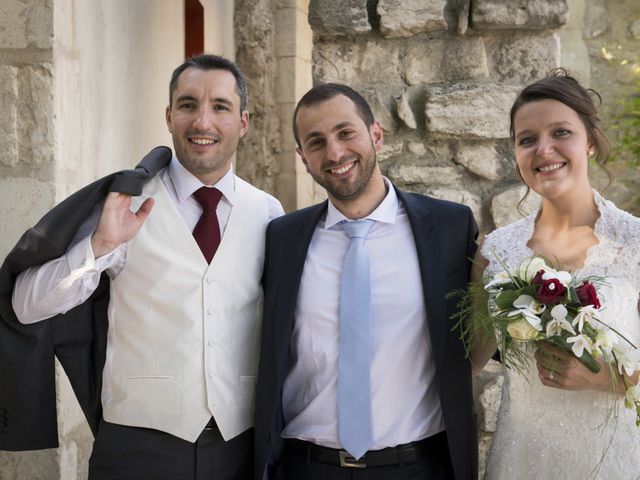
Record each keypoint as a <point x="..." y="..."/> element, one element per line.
<point x="221" y="108"/>
<point x="315" y="144"/>
<point x="346" y="134"/>
<point x="187" y="106"/>
<point x="526" y="141"/>
<point x="562" y="132"/>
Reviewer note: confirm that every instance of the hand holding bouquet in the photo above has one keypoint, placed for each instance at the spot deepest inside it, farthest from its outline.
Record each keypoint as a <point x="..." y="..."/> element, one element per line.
<point x="535" y="302"/>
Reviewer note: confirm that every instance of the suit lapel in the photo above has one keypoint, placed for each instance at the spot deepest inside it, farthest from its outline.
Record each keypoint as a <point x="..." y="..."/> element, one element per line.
<point x="292" y="262"/>
<point x="426" y="236"/>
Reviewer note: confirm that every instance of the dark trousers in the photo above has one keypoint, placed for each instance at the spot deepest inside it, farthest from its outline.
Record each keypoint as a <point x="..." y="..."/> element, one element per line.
<point x="435" y="466"/>
<point x="132" y="453"/>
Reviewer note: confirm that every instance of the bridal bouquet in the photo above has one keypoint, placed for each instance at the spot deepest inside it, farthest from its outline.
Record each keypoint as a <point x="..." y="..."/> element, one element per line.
<point x="535" y="302"/>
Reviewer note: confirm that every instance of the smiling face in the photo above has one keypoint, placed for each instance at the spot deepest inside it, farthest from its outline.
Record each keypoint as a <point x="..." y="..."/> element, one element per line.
<point x="552" y="148"/>
<point x="205" y="122"/>
<point x="338" y="149"/>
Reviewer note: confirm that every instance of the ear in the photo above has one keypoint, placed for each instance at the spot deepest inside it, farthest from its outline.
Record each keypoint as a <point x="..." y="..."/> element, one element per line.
<point x="167" y="117"/>
<point x="375" y="130"/>
<point x="244" y="123"/>
<point x="302" y="157"/>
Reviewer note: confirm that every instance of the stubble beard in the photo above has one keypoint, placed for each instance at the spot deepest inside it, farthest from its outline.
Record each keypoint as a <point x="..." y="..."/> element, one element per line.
<point x="346" y="192"/>
<point x="206" y="164"/>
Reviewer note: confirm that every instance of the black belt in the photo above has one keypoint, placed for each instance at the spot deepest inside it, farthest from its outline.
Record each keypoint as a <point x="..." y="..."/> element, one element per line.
<point x="399" y="455"/>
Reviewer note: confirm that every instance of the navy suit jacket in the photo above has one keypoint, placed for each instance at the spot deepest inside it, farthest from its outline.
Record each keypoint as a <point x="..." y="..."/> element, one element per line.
<point x="445" y="235"/>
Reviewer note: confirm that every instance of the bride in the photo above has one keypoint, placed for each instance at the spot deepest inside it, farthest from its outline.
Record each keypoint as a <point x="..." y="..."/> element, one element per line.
<point x="562" y="420"/>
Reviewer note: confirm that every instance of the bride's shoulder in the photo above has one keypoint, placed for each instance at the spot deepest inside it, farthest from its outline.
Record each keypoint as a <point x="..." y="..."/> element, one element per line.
<point x="510" y="231"/>
<point x="616" y="223"/>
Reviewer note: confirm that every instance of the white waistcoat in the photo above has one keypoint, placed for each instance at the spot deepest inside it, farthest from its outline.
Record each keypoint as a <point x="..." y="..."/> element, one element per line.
<point x="183" y="335"/>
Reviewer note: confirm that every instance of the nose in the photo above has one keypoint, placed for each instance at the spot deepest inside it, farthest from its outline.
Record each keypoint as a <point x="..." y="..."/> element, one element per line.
<point x="545" y="147"/>
<point x="335" y="150"/>
<point x="204" y="119"/>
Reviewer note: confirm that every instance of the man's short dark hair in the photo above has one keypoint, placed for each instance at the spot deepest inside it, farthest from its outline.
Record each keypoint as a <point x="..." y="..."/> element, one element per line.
<point x="213" y="62"/>
<point x="326" y="91"/>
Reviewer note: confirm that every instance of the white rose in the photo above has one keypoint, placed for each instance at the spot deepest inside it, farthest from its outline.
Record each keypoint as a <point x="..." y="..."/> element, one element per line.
<point x="522" y="330"/>
<point x="530" y="267"/>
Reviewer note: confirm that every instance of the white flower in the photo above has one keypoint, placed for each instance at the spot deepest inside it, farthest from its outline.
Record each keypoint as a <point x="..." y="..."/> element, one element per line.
<point x="632" y="396"/>
<point x="563" y="277"/>
<point x="580" y="343"/>
<point x="498" y="279"/>
<point x="528" y="269"/>
<point x="589" y="314"/>
<point x="628" y="360"/>
<point x="529" y="308"/>
<point x="559" y="322"/>
<point x="605" y="340"/>
<point x="522" y="330"/>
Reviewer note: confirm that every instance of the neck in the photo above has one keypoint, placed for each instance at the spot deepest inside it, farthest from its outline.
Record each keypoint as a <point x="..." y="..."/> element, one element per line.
<point x="575" y="209"/>
<point x="366" y="202"/>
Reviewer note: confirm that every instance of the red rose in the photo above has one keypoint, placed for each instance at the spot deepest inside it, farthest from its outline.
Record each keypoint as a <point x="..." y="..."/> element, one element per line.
<point x="537" y="279"/>
<point x="587" y="295"/>
<point x="551" y="291"/>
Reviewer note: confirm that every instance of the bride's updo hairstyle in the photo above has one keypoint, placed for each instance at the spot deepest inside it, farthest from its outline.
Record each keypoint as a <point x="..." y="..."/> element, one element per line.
<point x="561" y="86"/>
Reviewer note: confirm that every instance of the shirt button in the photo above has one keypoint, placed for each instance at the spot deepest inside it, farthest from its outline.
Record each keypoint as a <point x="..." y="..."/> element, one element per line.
<point x="209" y="279"/>
<point x="211" y="343"/>
<point x="209" y="311"/>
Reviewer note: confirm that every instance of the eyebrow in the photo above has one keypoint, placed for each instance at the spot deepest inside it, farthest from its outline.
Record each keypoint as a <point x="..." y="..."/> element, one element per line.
<point x="222" y="100"/>
<point x="339" y="126"/>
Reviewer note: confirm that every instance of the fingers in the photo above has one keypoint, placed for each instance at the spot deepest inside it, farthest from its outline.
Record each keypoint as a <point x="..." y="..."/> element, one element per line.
<point x="145" y="208"/>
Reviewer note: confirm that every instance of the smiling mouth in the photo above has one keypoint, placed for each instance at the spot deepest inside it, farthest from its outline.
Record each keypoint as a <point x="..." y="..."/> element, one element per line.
<point x="343" y="168"/>
<point x="551" y="168"/>
<point x="203" y="141"/>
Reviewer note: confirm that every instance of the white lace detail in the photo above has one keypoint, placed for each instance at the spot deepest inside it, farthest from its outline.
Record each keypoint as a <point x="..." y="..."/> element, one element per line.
<point x="544" y="432"/>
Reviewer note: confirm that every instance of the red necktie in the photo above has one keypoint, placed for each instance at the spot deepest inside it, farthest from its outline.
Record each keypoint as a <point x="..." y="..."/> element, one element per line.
<point x="207" y="231"/>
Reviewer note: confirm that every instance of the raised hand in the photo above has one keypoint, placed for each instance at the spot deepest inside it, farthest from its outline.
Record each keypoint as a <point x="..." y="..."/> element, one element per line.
<point x="118" y="224"/>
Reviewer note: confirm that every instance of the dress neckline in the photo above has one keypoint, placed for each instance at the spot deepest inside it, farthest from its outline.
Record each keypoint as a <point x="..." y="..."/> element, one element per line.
<point x="601" y="205"/>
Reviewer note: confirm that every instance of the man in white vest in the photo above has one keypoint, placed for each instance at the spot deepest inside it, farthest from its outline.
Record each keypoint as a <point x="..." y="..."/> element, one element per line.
<point x="181" y="359"/>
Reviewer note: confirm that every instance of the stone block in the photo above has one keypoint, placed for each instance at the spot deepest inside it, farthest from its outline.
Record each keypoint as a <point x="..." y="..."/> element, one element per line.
<point x="469" y="111"/>
<point x="424" y="175"/>
<point x="9" y="116"/>
<point x="389" y="150"/>
<point x="331" y="18"/>
<point x="26" y="23"/>
<point x="522" y="58"/>
<point x="404" y="18"/>
<point x="36" y="115"/>
<point x="438" y="60"/>
<point x="490" y="401"/>
<point x="484" y="159"/>
<point x="24" y="201"/>
<point x="404" y="111"/>
<point x="381" y="108"/>
<point x="527" y="14"/>
<point x="335" y="62"/>
<point x="504" y="206"/>
<point x="460" y="195"/>
<point x="380" y="63"/>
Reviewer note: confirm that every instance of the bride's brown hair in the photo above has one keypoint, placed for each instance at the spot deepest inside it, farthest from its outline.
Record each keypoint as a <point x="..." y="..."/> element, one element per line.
<point x="561" y="86"/>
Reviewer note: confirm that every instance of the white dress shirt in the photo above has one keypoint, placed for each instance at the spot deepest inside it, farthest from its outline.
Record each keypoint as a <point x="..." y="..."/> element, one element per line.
<point x="63" y="283"/>
<point x="405" y="398"/>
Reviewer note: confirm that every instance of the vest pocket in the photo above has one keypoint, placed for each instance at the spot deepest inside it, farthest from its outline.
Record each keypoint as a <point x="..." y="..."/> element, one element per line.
<point x="163" y="389"/>
<point x="247" y="389"/>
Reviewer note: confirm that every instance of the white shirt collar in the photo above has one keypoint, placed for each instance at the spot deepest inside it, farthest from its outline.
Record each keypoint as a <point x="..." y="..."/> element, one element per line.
<point x="186" y="183"/>
<point x="385" y="212"/>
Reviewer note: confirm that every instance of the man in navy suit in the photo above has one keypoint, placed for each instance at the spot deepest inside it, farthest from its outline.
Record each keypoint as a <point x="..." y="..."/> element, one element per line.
<point x="418" y="398"/>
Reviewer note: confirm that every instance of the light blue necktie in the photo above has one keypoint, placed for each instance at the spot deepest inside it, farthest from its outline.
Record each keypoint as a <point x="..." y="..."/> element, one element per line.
<point x="355" y="429"/>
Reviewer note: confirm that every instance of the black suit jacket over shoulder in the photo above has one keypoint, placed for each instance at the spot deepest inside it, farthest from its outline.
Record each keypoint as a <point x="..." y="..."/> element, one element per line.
<point x="77" y="338"/>
<point x="445" y="235"/>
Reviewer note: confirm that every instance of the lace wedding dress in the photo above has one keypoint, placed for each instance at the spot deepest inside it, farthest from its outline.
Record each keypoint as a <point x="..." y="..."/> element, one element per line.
<point x="548" y="433"/>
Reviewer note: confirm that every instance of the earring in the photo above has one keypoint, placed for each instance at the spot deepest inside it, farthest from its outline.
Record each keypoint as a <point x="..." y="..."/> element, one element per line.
<point x="590" y="152"/>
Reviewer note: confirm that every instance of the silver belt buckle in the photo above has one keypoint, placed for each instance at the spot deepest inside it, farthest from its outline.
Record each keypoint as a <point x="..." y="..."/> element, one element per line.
<point x="348" y="461"/>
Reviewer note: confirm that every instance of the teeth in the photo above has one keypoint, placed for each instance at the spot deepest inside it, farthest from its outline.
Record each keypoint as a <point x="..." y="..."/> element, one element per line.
<point x="203" y="141"/>
<point x="550" y="168"/>
<point x="343" y="169"/>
